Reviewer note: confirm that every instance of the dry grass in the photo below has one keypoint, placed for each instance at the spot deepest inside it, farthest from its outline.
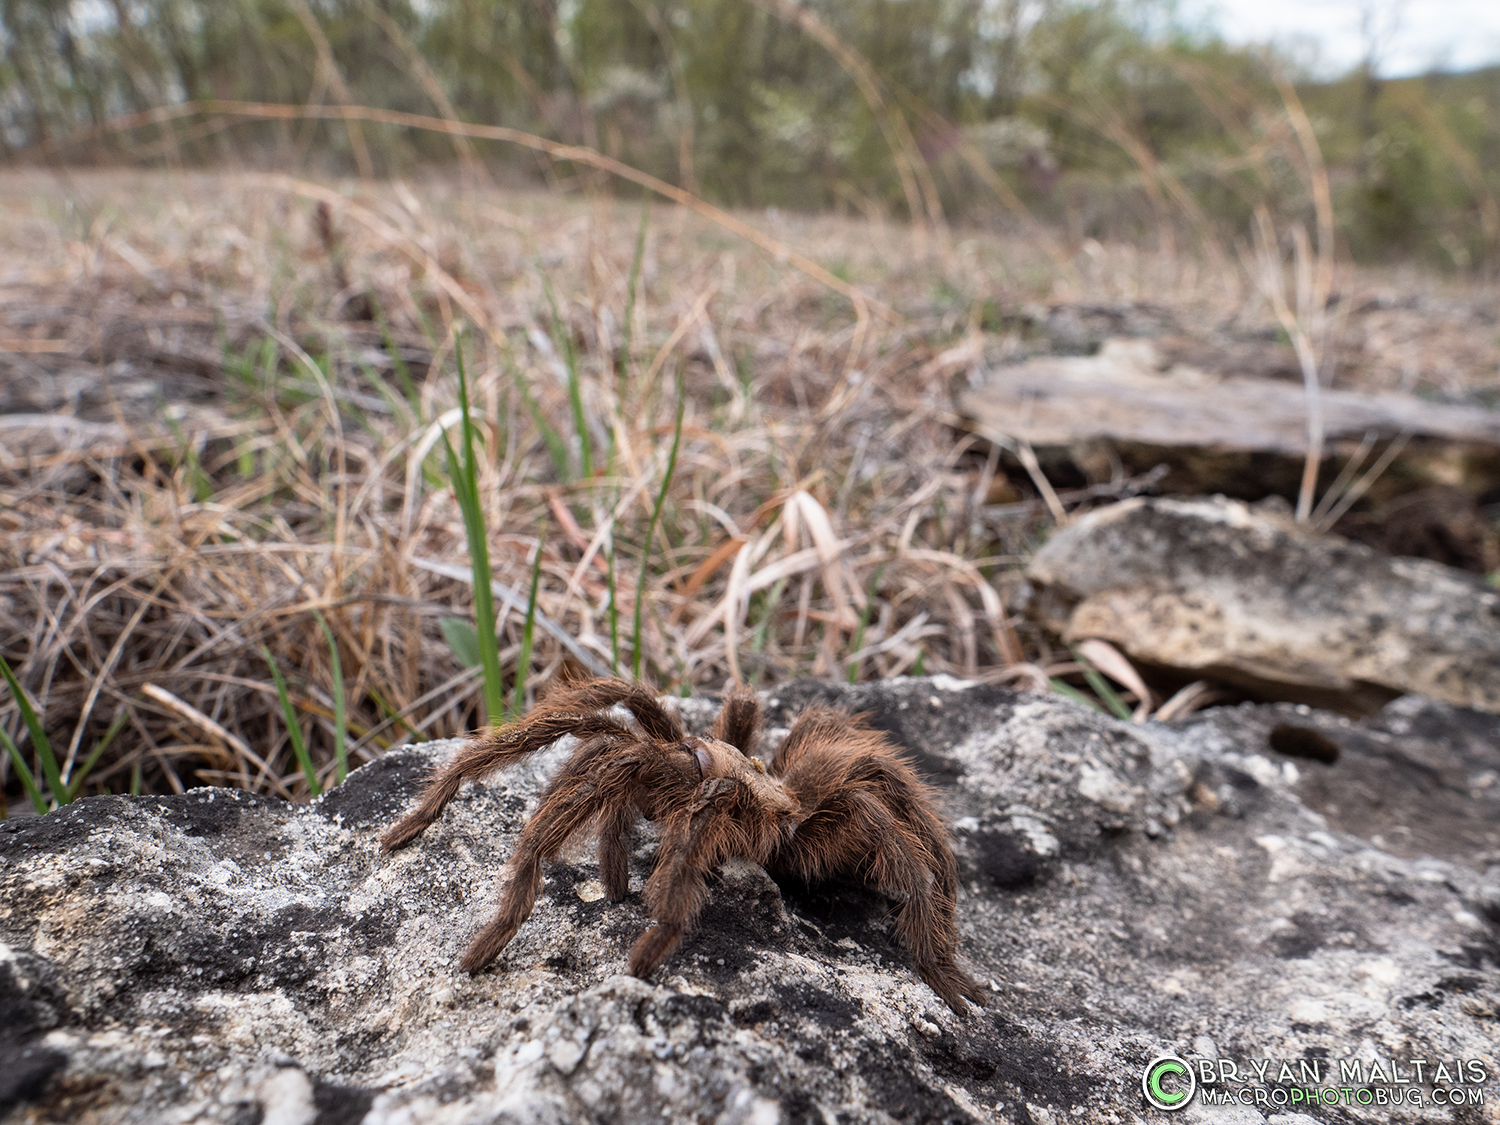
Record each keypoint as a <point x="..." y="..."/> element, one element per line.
<point x="208" y="443"/>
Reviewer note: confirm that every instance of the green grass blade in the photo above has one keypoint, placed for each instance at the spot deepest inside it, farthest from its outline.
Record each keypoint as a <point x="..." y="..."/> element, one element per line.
<point x="463" y="640"/>
<point x="96" y="753"/>
<point x="523" y="661"/>
<point x="399" y="719"/>
<point x="763" y="624"/>
<point x="560" y="334"/>
<point x="413" y="396"/>
<point x="23" y="771"/>
<point x="1074" y="694"/>
<point x="293" y="729"/>
<point x="38" y="735"/>
<point x="864" y="623"/>
<point x="557" y="448"/>
<point x="399" y="406"/>
<point x="638" y="653"/>
<point x="1117" y="706"/>
<point x="635" y="277"/>
<point x="465" y="479"/>
<point x="340" y="723"/>
<point x="614" y="609"/>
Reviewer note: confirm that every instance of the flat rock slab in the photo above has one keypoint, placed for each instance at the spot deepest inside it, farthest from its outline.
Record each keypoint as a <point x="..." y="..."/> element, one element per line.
<point x="1129" y="890"/>
<point x="1216" y="588"/>
<point x="1211" y="430"/>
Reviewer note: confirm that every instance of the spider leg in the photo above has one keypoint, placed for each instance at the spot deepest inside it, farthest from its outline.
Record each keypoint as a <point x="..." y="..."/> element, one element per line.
<point x="739" y="719"/>
<point x="491" y="751"/>
<point x="601" y="775"/>
<point x="640" y="700"/>
<point x="865" y="838"/>
<point x="715" y="827"/>
<point x="576" y="710"/>
<point x="872" y="817"/>
<point x="925" y="926"/>
<point x="614" y="852"/>
<point x="817" y="731"/>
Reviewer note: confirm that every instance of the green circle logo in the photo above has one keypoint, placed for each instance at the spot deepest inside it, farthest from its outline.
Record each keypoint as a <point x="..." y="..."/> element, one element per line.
<point x="1168" y="1083"/>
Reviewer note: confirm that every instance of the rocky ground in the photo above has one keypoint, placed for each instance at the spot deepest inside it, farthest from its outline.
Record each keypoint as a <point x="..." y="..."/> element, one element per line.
<point x="1254" y="883"/>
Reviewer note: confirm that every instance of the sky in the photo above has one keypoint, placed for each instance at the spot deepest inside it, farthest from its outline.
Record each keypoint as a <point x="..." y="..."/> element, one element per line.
<point x="1413" y="37"/>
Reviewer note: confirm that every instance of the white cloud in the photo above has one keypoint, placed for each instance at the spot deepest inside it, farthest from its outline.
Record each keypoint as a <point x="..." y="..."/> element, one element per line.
<point x="1411" y="37"/>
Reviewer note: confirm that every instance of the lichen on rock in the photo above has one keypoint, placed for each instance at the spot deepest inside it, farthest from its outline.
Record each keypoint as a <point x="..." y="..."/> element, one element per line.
<point x="1128" y="889"/>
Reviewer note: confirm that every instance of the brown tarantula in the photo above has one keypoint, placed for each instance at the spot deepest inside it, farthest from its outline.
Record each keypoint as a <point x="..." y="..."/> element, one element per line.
<point x="836" y="801"/>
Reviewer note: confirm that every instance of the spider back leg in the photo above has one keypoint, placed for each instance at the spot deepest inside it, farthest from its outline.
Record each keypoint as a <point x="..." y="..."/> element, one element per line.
<point x="872" y="818"/>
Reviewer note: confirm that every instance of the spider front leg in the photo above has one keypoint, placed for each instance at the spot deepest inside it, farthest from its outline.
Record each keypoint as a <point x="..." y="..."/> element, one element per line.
<point x="600" y="777"/>
<point x="614" y="853"/>
<point x="718" y="825"/>
<point x="564" y="811"/>
<point x="576" y="710"/>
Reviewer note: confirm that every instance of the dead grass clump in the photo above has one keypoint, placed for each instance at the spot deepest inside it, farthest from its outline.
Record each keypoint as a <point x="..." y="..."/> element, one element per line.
<point x="222" y="409"/>
<point x="227" y="421"/>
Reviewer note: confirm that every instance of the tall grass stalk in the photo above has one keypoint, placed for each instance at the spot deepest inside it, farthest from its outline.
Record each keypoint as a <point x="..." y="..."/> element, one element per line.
<point x="858" y="643"/>
<point x="563" y="338"/>
<point x="398" y="361"/>
<point x="557" y="448"/>
<point x="523" y="660"/>
<point x="464" y="477"/>
<point x="41" y="744"/>
<point x="340" y="723"/>
<point x="638" y="652"/>
<point x="293" y="727"/>
<point x="614" y="607"/>
<point x="75" y="787"/>
<point x="630" y="287"/>
<point x="23" y="771"/>
<point x="1068" y="691"/>
<point x="1102" y="688"/>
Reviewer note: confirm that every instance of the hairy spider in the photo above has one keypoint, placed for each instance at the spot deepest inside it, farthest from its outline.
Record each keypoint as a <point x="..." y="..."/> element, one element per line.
<point x="837" y="801"/>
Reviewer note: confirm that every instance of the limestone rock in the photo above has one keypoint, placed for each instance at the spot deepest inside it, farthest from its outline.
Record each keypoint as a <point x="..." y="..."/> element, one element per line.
<point x="1217" y="588"/>
<point x="1129" y="890"/>
<point x="1132" y="405"/>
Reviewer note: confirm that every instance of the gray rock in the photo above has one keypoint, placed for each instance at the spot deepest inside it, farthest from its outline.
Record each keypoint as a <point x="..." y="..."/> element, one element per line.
<point x="1136" y="405"/>
<point x="1129" y="890"/>
<point x="1220" y="589"/>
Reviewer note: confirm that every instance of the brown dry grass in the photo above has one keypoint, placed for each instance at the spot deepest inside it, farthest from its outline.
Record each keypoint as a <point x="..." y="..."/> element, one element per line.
<point x="201" y="446"/>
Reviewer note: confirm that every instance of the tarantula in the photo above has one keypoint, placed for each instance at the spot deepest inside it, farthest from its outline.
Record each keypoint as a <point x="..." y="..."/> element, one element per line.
<point x="837" y="801"/>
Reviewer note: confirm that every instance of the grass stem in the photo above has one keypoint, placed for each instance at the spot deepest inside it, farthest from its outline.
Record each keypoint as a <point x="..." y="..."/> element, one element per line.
<point x="464" y="477"/>
<point x="293" y="727"/>
<point x="638" y="652"/>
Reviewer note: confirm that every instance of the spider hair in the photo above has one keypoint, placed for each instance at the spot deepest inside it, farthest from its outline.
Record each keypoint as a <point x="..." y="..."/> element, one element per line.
<point x="837" y="801"/>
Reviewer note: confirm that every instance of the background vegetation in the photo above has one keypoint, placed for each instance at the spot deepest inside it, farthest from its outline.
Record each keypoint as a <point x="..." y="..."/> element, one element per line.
<point x="1100" y="117"/>
<point x="249" y="497"/>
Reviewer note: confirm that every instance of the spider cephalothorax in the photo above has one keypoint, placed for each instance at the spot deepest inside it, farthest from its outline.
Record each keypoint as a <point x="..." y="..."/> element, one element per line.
<point x="837" y="801"/>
